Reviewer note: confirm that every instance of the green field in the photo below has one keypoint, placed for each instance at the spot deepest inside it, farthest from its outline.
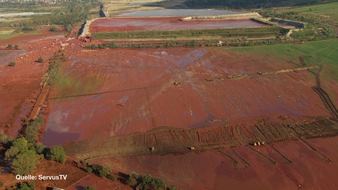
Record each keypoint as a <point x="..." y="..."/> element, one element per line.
<point x="7" y="36"/>
<point x="4" y="35"/>
<point x="327" y="9"/>
<point x="224" y="33"/>
<point x="322" y="52"/>
<point x="67" y="85"/>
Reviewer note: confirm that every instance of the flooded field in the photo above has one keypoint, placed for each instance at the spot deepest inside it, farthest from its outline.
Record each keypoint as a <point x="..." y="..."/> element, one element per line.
<point x="18" y="83"/>
<point x="280" y="165"/>
<point x="124" y="91"/>
<point x="22" y="14"/>
<point x="177" y="12"/>
<point x="204" y="99"/>
<point x="137" y="24"/>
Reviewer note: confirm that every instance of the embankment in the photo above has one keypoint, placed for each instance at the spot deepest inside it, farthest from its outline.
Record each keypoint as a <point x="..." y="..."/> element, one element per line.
<point x="240" y="16"/>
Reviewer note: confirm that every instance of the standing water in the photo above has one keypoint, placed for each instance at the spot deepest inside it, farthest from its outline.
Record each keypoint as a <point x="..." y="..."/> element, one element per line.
<point x="179" y="12"/>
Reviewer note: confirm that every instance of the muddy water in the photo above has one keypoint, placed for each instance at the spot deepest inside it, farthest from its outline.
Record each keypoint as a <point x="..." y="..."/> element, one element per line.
<point x="179" y="12"/>
<point x="133" y="24"/>
<point x="51" y="137"/>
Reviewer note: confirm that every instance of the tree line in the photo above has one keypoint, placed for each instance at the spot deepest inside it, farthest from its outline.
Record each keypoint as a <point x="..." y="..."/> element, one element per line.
<point x="68" y="15"/>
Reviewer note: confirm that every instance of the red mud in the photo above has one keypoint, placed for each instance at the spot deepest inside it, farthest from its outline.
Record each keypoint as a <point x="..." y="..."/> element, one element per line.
<point x="25" y="40"/>
<point x="99" y="183"/>
<point x="18" y="83"/>
<point x="261" y="168"/>
<point x="134" y="92"/>
<point x="165" y="23"/>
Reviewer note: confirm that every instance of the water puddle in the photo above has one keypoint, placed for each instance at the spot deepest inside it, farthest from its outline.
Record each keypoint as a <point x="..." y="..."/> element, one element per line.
<point x="191" y="57"/>
<point x="56" y="138"/>
<point x="57" y="132"/>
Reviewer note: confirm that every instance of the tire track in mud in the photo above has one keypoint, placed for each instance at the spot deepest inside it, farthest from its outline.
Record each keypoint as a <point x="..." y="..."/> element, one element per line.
<point x="286" y="159"/>
<point x="270" y="160"/>
<point x="326" y="101"/>
<point x="329" y="105"/>
<point x="166" y="140"/>
<point x="313" y="149"/>
<point x="237" y="161"/>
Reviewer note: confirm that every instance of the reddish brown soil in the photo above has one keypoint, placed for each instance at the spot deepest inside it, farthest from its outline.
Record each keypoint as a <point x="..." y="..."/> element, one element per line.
<point x="9" y="55"/>
<point x="19" y="82"/>
<point x="134" y="92"/>
<point x="24" y="40"/>
<point x="245" y="167"/>
<point x="99" y="183"/>
<point x="165" y="23"/>
<point x="76" y="178"/>
<point x="18" y="90"/>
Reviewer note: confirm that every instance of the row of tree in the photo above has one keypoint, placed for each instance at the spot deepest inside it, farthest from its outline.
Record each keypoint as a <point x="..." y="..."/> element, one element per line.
<point x="147" y="182"/>
<point x="23" y="156"/>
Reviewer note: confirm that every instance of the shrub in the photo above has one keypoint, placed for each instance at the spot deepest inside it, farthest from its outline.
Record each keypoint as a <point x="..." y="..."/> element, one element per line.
<point x="9" y="46"/>
<point x="3" y="138"/>
<point x="172" y="187"/>
<point x="68" y="27"/>
<point x="26" y="186"/>
<point x="102" y="171"/>
<point x="21" y="156"/>
<point x="92" y="46"/>
<point x="27" y="29"/>
<point x="133" y="179"/>
<point x="100" y="46"/>
<point x="16" y="146"/>
<point x="25" y="163"/>
<point x="16" y="46"/>
<point x="40" y="148"/>
<point x="109" y="176"/>
<point x="88" y="169"/>
<point x="11" y="64"/>
<point x="56" y="153"/>
<point x="89" y="188"/>
<point x="32" y="130"/>
<point x="53" y="29"/>
<point x="132" y="182"/>
<point x="112" y="45"/>
<point x="149" y="182"/>
<point x="39" y="60"/>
